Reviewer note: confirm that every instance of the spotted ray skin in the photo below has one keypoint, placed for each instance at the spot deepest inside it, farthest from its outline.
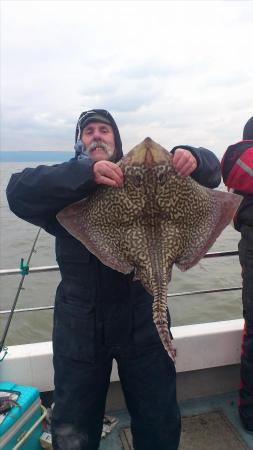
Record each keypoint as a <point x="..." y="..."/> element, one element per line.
<point x="155" y="220"/>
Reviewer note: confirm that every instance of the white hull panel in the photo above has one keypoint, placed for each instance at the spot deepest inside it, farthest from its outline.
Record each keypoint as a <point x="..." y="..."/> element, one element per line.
<point x="199" y="346"/>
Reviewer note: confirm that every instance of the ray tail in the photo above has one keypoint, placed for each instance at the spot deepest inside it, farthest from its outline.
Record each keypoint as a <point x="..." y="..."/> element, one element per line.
<point x="160" y="318"/>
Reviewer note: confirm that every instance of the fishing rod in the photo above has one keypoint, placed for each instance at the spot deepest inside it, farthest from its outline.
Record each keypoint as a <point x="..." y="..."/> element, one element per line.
<point x="24" y="270"/>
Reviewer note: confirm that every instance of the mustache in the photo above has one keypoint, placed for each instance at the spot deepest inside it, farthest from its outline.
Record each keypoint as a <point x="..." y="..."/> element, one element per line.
<point x="96" y="144"/>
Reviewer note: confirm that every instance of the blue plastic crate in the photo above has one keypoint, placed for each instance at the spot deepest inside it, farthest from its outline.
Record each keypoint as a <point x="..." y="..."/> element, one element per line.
<point x="19" y="420"/>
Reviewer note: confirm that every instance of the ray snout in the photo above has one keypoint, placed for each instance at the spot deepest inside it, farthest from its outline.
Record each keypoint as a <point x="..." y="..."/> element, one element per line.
<point x="149" y="153"/>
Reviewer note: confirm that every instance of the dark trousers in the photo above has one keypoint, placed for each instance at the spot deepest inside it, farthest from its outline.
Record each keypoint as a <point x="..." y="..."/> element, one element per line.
<point x="148" y="381"/>
<point x="246" y="388"/>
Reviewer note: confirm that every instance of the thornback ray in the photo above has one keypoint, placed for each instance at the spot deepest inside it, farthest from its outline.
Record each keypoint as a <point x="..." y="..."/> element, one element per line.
<point x="157" y="219"/>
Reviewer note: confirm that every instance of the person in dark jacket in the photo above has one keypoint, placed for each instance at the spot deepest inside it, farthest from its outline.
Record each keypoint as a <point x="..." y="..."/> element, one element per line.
<point x="101" y="314"/>
<point x="237" y="172"/>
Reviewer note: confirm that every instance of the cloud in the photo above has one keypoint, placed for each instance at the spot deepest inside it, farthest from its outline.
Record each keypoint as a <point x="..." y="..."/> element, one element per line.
<point x="178" y="71"/>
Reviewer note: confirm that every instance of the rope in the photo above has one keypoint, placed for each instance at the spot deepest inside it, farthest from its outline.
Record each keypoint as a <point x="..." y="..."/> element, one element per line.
<point x="24" y="270"/>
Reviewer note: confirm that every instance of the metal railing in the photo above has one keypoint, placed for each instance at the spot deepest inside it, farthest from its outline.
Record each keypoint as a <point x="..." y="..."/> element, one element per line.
<point x="176" y="294"/>
<point x="31" y="270"/>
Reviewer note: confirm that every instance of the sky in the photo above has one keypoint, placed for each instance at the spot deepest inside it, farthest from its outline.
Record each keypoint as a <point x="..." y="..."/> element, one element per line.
<point x="180" y="72"/>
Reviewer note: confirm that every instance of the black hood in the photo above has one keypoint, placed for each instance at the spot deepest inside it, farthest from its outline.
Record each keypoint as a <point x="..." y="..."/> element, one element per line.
<point x="248" y="130"/>
<point x="92" y="115"/>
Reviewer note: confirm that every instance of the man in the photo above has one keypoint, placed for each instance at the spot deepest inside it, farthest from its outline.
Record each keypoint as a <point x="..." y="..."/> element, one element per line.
<point x="237" y="172"/>
<point x="101" y="314"/>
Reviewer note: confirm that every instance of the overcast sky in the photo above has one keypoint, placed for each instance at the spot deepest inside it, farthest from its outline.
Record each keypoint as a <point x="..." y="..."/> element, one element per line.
<point x="180" y="72"/>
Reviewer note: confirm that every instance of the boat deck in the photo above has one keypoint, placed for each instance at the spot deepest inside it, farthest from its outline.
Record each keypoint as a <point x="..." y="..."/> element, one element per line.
<point x="208" y="423"/>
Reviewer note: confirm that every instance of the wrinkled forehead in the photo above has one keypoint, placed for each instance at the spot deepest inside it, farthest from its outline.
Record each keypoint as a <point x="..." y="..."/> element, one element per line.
<point x="97" y="125"/>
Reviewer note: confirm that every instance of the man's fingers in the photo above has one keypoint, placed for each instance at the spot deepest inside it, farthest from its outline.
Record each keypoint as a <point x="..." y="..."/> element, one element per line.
<point x="116" y="174"/>
<point x="113" y="174"/>
<point x="184" y="162"/>
<point x="106" y="170"/>
<point x="117" y="169"/>
<point x="181" y="159"/>
<point x="107" y="181"/>
<point x="187" y="168"/>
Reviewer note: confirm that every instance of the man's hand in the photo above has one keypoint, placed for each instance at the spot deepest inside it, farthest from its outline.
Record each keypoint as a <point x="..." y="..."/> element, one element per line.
<point x="184" y="162"/>
<point x="109" y="173"/>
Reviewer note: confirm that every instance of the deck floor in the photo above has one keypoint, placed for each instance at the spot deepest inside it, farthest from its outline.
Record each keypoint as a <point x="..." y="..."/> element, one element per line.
<point x="231" y="437"/>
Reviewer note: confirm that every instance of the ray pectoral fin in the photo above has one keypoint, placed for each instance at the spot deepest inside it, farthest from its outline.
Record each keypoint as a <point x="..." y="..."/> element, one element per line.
<point x="71" y="218"/>
<point x="97" y="240"/>
<point x="222" y="208"/>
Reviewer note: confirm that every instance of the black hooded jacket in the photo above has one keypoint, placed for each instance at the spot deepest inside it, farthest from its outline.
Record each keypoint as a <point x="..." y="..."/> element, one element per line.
<point x="37" y="195"/>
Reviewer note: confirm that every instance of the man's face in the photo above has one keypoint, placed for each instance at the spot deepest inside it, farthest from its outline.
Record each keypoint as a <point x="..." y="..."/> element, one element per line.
<point x="98" y="140"/>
